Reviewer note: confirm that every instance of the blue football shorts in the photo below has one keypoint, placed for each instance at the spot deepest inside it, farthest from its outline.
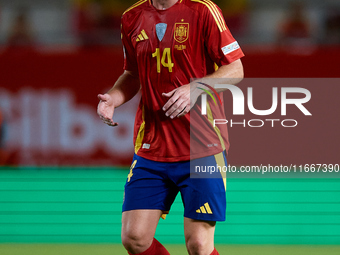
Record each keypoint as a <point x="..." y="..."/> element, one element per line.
<point x="155" y="185"/>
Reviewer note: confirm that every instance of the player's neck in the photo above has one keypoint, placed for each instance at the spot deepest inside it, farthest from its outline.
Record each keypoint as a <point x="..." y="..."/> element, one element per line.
<point x="163" y="4"/>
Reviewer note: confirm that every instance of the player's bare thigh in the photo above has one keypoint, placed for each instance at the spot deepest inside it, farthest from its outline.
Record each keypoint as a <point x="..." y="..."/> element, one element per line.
<point x="138" y="229"/>
<point x="199" y="236"/>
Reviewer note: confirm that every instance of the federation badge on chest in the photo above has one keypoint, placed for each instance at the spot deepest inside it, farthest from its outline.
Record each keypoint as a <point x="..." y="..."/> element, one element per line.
<point x="160" y="30"/>
<point x="181" y="33"/>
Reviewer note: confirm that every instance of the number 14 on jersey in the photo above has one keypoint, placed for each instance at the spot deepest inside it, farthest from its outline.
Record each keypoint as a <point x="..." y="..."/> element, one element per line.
<point x="165" y="60"/>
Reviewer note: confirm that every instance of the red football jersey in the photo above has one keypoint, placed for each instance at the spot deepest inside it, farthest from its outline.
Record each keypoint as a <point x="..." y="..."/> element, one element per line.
<point x="167" y="48"/>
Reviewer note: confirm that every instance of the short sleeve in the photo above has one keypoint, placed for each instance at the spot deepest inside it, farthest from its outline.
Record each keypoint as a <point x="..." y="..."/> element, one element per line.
<point x="222" y="48"/>
<point x="130" y="61"/>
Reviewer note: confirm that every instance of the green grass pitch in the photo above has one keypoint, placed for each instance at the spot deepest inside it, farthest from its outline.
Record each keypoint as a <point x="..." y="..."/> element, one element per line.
<point x="116" y="249"/>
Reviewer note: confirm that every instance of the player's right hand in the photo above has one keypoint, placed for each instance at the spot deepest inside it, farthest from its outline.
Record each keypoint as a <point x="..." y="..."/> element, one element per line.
<point x="105" y="109"/>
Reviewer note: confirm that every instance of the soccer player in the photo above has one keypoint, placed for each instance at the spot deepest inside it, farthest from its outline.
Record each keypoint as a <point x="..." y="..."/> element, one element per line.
<point x="168" y="44"/>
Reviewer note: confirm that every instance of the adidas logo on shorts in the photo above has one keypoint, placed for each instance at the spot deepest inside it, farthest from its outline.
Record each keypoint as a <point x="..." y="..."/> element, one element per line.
<point x="204" y="209"/>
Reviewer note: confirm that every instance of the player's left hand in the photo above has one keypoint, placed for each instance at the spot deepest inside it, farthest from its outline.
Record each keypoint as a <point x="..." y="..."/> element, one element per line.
<point x="181" y="100"/>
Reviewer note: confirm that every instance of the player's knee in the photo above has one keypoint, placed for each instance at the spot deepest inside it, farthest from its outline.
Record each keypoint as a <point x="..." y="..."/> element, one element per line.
<point x="136" y="241"/>
<point x="196" y="245"/>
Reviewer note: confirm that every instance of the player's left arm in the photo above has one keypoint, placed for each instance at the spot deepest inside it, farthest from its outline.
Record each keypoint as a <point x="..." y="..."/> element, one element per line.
<point x="182" y="99"/>
<point x="223" y="49"/>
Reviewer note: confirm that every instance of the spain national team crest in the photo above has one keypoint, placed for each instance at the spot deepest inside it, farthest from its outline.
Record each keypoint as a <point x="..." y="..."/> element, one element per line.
<point x="181" y="32"/>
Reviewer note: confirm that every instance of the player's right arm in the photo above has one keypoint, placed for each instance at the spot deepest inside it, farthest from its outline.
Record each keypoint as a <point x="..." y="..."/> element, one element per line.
<point x="127" y="85"/>
<point x="125" y="88"/>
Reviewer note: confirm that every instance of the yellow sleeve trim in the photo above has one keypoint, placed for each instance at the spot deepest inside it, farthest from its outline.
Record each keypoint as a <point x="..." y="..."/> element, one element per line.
<point x="216" y="14"/>
<point x="135" y="5"/>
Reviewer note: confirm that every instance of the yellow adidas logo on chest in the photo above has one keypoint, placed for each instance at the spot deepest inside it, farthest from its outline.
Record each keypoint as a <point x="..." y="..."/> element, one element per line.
<point x="142" y="36"/>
